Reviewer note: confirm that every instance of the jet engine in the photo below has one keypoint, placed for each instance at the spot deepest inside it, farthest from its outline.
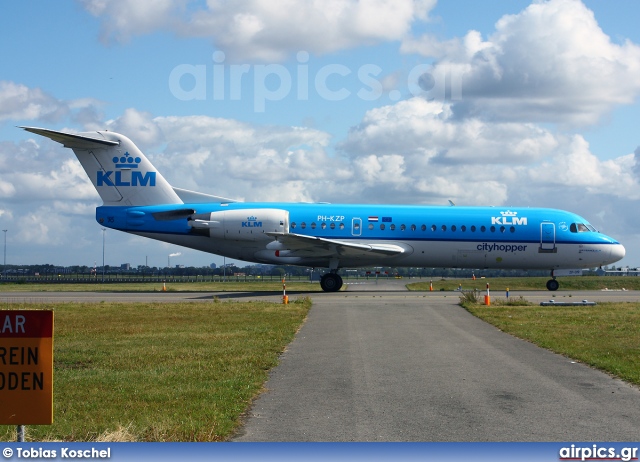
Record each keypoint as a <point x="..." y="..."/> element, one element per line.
<point x="242" y="225"/>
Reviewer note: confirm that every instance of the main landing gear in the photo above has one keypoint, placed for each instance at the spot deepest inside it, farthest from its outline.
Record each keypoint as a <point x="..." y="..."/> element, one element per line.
<point x="552" y="285"/>
<point x="331" y="282"/>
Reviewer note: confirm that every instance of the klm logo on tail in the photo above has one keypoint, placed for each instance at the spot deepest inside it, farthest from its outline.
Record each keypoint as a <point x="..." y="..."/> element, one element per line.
<point x="128" y="163"/>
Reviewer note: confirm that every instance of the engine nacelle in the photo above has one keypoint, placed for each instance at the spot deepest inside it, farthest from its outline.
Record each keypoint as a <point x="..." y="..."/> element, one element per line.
<point x="243" y="225"/>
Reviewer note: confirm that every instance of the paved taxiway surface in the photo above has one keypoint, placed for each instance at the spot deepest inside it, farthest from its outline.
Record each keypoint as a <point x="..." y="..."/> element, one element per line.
<point x="372" y="365"/>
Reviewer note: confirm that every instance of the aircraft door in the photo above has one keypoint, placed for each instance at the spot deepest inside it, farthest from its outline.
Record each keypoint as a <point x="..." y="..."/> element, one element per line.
<point x="356" y="226"/>
<point x="548" y="238"/>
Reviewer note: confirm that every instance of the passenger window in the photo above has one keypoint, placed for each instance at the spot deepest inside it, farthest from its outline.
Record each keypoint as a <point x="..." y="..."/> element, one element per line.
<point x="392" y="227"/>
<point x="463" y="228"/>
<point x="341" y="225"/>
<point x="382" y="226"/>
<point x="370" y="225"/>
<point x="423" y="227"/>
<point x="413" y="227"/>
<point x="433" y="227"/>
<point x="512" y="229"/>
<point x="332" y="226"/>
<point x="403" y="227"/>
<point x="313" y="225"/>
<point x="324" y="225"/>
<point x="493" y="229"/>
<point x="473" y="229"/>
<point x="303" y="225"/>
<point x="502" y="229"/>
<point x="453" y="228"/>
<point x="293" y="225"/>
<point x="483" y="228"/>
<point x="444" y="227"/>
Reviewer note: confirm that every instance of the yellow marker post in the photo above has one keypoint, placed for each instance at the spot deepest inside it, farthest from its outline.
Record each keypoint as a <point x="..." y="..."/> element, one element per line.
<point x="26" y="367"/>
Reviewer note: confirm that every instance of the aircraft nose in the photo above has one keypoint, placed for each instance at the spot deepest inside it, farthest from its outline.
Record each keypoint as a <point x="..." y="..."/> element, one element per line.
<point x="617" y="252"/>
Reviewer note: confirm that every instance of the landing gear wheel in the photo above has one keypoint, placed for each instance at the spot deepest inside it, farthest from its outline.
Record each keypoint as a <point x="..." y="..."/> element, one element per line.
<point x="331" y="282"/>
<point x="552" y="285"/>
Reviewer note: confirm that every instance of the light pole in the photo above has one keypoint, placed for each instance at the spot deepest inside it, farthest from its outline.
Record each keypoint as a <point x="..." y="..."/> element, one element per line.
<point x="4" y="266"/>
<point x="103" y="233"/>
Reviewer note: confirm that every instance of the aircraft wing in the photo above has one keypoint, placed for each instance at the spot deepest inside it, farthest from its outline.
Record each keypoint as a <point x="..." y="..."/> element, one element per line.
<point x="298" y="245"/>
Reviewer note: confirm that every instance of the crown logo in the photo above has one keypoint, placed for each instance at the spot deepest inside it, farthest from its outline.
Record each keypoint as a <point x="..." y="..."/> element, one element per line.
<point x="126" y="161"/>
<point x="252" y="218"/>
<point x="509" y="213"/>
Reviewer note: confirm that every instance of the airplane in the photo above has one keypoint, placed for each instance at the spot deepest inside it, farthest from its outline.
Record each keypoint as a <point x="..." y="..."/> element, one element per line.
<point x="137" y="199"/>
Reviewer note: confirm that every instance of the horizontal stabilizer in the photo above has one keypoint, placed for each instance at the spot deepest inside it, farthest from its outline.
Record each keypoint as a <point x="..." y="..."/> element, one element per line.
<point x="73" y="141"/>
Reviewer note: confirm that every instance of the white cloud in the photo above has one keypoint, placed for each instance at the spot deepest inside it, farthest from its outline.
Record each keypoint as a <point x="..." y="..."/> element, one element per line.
<point x="19" y="102"/>
<point x="262" y="29"/>
<point x="235" y="159"/>
<point x="550" y="63"/>
<point x="125" y="18"/>
<point x="429" y="155"/>
<point x="33" y="172"/>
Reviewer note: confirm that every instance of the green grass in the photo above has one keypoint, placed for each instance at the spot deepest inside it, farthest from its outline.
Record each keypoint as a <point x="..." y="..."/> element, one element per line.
<point x="161" y="372"/>
<point x="533" y="283"/>
<point x="605" y="336"/>
<point x="232" y="286"/>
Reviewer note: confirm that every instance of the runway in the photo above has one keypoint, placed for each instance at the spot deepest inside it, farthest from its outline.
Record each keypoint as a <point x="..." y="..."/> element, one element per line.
<point x="379" y="363"/>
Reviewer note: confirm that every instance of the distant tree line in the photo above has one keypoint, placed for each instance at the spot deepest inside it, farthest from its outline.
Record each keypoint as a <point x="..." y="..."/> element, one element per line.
<point x="268" y="270"/>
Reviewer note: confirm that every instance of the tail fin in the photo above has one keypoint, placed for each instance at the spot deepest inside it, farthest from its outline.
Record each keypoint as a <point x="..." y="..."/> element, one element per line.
<point x="121" y="174"/>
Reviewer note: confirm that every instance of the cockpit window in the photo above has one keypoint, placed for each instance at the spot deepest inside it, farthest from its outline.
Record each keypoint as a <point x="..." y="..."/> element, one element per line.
<point x="581" y="228"/>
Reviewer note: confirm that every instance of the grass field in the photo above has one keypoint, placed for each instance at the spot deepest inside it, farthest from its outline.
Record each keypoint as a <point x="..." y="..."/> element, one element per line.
<point x="533" y="283"/>
<point x="605" y="336"/>
<point x="160" y="372"/>
<point x="232" y="286"/>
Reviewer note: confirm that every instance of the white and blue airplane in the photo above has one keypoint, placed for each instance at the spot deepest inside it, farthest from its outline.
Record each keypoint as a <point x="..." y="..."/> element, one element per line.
<point x="138" y="200"/>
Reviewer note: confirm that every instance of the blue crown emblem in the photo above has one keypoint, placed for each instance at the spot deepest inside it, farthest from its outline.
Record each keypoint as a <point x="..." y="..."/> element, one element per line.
<point x="252" y="218"/>
<point x="126" y="161"/>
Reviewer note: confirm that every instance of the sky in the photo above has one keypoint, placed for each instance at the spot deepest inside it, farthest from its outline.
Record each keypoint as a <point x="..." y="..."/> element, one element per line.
<point x="502" y="102"/>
